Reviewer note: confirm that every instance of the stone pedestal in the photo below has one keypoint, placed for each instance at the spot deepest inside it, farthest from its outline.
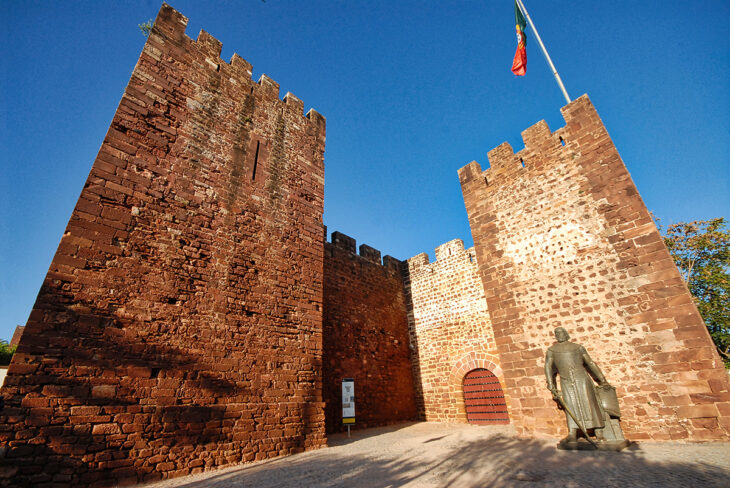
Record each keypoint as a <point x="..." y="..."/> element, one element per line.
<point x="584" y="445"/>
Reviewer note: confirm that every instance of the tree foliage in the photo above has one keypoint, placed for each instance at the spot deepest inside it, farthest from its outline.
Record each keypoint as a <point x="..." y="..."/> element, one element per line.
<point x="146" y="27"/>
<point x="6" y="352"/>
<point x="701" y="251"/>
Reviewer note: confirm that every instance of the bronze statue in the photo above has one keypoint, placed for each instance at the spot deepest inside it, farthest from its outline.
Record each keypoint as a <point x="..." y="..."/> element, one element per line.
<point x="587" y="407"/>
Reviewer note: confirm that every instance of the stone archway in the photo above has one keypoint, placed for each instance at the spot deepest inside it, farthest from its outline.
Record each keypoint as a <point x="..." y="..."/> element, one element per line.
<point x="484" y="400"/>
<point x="470" y="361"/>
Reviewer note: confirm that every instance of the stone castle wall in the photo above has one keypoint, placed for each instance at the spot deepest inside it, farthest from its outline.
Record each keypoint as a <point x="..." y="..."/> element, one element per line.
<point x="563" y="238"/>
<point x="194" y="316"/>
<point x="450" y="330"/>
<point x="180" y="324"/>
<point x="365" y="333"/>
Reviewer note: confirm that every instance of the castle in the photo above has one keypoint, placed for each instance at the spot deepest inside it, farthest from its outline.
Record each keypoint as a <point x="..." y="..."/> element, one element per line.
<point x="195" y="315"/>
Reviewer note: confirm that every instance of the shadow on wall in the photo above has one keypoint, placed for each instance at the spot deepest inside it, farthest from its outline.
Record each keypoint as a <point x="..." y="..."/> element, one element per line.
<point x="497" y="461"/>
<point x="413" y="344"/>
<point x="134" y="408"/>
<point x="365" y="336"/>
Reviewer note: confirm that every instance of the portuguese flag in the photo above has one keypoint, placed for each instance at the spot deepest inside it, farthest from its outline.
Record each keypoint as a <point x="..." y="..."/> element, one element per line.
<point x="519" y="65"/>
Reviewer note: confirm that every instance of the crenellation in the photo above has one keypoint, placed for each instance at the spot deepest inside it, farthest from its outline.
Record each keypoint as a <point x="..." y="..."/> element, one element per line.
<point x="269" y="87"/>
<point x="502" y="160"/>
<point x="316" y="117"/>
<point x="392" y="264"/>
<point x="209" y="44"/>
<point x="242" y="67"/>
<point x="370" y="253"/>
<point x="293" y="103"/>
<point x="417" y="261"/>
<point x="470" y="172"/>
<point x="454" y="247"/>
<point x="170" y="23"/>
<point x="580" y="114"/>
<point x="537" y="136"/>
<point x="344" y="242"/>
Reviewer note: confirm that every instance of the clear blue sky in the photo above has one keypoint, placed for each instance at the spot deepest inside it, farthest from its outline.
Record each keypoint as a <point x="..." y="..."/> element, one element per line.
<point x="412" y="91"/>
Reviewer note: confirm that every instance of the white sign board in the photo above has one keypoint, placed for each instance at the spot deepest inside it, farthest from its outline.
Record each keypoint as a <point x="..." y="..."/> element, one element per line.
<point x="348" y="401"/>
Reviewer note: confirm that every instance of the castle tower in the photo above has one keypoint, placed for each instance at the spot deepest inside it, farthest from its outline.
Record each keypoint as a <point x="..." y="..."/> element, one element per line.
<point x="451" y="338"/>
<point x="179" y="326"/>
<point x="563" y="239"/>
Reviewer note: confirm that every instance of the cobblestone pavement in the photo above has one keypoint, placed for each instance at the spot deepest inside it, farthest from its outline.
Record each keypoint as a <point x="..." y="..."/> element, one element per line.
<point x="460" y="455"/>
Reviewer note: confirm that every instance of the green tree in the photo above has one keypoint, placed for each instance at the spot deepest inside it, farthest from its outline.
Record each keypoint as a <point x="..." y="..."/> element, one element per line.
<point x="701" y="251"/>
<point x="146" y="27"/>
<point x="6" y="352"/>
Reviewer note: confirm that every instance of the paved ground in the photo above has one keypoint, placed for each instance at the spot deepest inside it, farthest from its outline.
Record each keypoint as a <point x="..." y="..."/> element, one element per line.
<point x="457" y="455"/>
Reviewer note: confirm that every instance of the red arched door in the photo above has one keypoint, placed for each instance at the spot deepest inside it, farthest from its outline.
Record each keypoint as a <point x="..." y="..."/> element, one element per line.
<point x="483" y="398"/>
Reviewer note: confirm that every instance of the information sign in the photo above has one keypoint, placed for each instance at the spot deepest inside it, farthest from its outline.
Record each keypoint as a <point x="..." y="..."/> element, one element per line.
<point x="348" y="401"/>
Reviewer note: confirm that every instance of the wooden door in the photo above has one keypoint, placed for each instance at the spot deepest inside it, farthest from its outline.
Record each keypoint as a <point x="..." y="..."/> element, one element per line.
<point x="484" y="399"/>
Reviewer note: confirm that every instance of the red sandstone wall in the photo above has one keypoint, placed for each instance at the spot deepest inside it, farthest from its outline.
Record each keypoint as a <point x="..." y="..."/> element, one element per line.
<point x="566" y="240"/>
<point x="17" y="334"/>
<point x="450" y="330"/>
<point x="179" y="326"/>
<point x="365" y="336"/>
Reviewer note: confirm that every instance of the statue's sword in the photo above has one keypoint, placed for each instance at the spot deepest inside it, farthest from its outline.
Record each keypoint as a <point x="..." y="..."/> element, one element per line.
<point x="562" y="403"/>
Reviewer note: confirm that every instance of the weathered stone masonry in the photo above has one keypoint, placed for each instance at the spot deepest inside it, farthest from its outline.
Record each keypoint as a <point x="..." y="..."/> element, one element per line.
<point x="563" y="238"/>
<point x="180" y="325"/>
<point x="194" y="316"/>
<point x="365" y="334"/>
<point x="450" y="330"/>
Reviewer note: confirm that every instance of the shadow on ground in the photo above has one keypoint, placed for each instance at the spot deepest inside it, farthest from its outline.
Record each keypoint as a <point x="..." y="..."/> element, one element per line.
<point x="341" y="438"/>
<point x="495" y="461"/>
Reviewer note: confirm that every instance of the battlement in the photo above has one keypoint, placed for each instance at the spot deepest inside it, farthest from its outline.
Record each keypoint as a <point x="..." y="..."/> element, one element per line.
<point x="561" y="233"/>
<point x="194" y="145"/>
<point x="539" y="139"/>
<point x="370" y="254"/>
<point x="449" y="248"/>
<point x="171" y="25"/>
<point x="443" y="252"/>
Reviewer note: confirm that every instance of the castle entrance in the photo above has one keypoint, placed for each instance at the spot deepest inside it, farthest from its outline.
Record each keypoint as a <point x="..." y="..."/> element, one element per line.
<point x="483" y="398"/>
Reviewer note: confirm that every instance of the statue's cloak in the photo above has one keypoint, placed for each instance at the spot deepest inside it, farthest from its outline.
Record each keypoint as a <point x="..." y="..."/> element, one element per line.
<point x="572" y="362"/>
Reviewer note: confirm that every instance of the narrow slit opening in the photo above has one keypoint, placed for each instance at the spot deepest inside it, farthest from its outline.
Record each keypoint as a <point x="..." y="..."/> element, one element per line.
<point x="255" y="160"/>
<point x="562" y="141"/>
<point x="486" y="181"/>
<point x="522" y="162"/>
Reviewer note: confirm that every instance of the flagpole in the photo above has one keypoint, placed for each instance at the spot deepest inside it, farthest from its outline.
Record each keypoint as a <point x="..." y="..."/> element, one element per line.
<point x="544" y="51"/>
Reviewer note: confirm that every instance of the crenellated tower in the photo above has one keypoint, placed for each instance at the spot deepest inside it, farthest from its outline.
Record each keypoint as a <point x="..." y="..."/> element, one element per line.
<point x="179" y="326"/>
<point x="451" y="337"/>
<point x="563" y="238"/>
